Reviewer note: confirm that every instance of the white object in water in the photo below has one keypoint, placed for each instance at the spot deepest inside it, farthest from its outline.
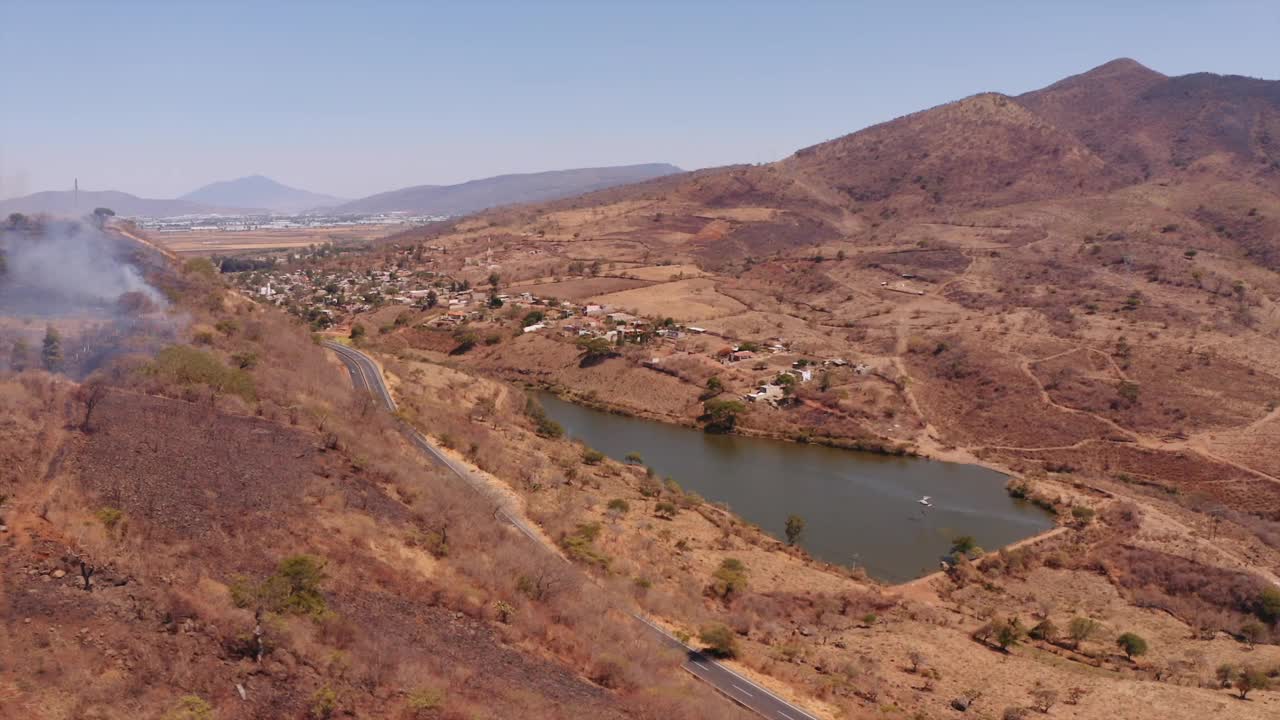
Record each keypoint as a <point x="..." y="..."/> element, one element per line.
<point x="925" y="501"/>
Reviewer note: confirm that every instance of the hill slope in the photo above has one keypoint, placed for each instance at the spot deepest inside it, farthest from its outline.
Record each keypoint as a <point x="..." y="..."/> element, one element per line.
<point x="491" y="192"/>
<point x="256" y="191"/>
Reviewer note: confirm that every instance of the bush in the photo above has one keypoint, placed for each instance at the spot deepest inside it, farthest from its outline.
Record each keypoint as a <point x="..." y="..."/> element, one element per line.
<point x="580" y="546"/>
<point x="729" y="580"/>
<point x="721" y="416"/>
<point x="1044" y="630"/>
<point x="665" y="509"/>
<point x="423" y="701"/>
<point x="543" y="425"/>
<point x="619" y="506"/>
<point x="795" y="527"/>
<point x="185" y="365"/>
<point x="191" y="707"/>
<point x="1251" y="678"/>
<point x="719" y="641"/>
<point x="110" y="517"/>
<point x="592" y="457"/>
<point x="1082" y="628"/>
<point x="294" y="588"/>
<point x="324" y="703"/>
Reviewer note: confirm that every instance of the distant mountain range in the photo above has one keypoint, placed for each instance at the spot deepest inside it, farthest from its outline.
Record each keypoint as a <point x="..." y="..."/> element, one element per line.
<point x="258" y="194"/>
<point x="65" y="202"/>
<point x="257" y="191"/>
<point x="476" y="195"/>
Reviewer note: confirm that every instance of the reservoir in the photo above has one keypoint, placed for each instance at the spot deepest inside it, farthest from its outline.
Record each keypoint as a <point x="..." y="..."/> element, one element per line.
<point x="859" y="508"/>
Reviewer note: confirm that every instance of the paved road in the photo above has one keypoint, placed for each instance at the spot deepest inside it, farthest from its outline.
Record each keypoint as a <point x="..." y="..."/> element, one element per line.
<point x="366" y="376"/>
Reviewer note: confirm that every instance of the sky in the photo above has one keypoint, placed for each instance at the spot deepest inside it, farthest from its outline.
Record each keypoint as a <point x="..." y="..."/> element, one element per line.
<point x="158" y="98"/>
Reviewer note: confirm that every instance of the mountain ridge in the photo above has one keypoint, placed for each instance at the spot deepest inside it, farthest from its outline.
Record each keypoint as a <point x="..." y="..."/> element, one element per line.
<point x="259" y="191"/>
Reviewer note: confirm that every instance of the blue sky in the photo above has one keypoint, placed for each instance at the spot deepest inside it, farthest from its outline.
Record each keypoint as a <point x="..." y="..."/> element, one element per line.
<point x="158" y="98"/>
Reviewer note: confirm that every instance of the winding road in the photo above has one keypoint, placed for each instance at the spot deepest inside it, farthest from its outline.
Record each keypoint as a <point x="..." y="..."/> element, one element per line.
<point x="366" y="377"/>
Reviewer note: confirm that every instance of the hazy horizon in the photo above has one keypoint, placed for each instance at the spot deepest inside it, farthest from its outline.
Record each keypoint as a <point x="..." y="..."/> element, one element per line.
<point x="160" y="100"/>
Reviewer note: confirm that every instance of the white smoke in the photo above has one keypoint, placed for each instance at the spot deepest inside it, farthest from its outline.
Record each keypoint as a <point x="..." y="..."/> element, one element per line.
<point x="66" y="268"/>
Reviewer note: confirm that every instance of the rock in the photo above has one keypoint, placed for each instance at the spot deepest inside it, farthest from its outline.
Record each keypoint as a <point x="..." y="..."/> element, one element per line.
<point x="59" y="574"/>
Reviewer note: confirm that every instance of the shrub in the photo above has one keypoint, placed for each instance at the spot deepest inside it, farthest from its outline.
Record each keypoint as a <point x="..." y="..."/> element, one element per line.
<point x="729" y="580"/>
<point x="633" y="458"/>
<point x="1082" y="628"/>
<point x="1009" y="633"/>
<point x="719" y="641"/>
<point x="1044" y="630"/>
<point x="324" y="703"/>
<point x="358" y="331"/>
<point x="1251" y="678"/>
<point x="795" y="526"/>
<point x="1132" y="645"/>
<point x="665" y="509"/>
<point x="423" y="701"/>
<point x="543" y="425"/>
<point x="110" y="517"/>
<point x="185" y="365"/>
<point x="580" y="545"/>
<point x="619" y="506"/>
<point x="592" y="457"/>
<point x="191" y="707"/>
<point x="294" y="588"/>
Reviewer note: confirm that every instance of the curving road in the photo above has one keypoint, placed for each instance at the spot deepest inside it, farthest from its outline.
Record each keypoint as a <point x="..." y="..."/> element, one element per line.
<point x="366" y="376"/>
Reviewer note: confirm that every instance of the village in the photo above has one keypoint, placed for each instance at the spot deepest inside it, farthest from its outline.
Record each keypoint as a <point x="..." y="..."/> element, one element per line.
<point x="338" y="299"/>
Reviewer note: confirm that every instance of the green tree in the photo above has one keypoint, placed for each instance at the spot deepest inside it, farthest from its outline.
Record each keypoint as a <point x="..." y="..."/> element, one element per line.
<point x="432" y="299"/>
<point x="533" y="317"/>
<point x="1132" y="645"/>
<point x="721" y="416"/>
<point x="495" y="302"/>
<point x="718" y="641"/>
<point x="795" y="527"/>
<point x="595" y="348"/>
<point x="51" y="350"/>
<point x="358" y="331"/>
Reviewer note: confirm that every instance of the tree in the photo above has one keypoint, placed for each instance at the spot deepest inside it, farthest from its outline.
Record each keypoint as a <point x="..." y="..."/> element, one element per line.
<point x="533" y="317"/>
<point x="795" y="526"/>
<point x="495" y="302"/>
<point x="721" y="415"/>
<point x="432" y="299"/>
<point x="494" y="279"/>
<point x="51" y="350"/>
<point x="1251" y="678"/>
<point x="358" y="331"/>
<point x="633" y="458"/>
<point x="1082" y="629"/>
<point x="1132" y="644"/>
<point x="719" y="640"/>
<point x="101" y="214"/>
<point x="594" y="349"/>
<point x="618" y="507"/>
